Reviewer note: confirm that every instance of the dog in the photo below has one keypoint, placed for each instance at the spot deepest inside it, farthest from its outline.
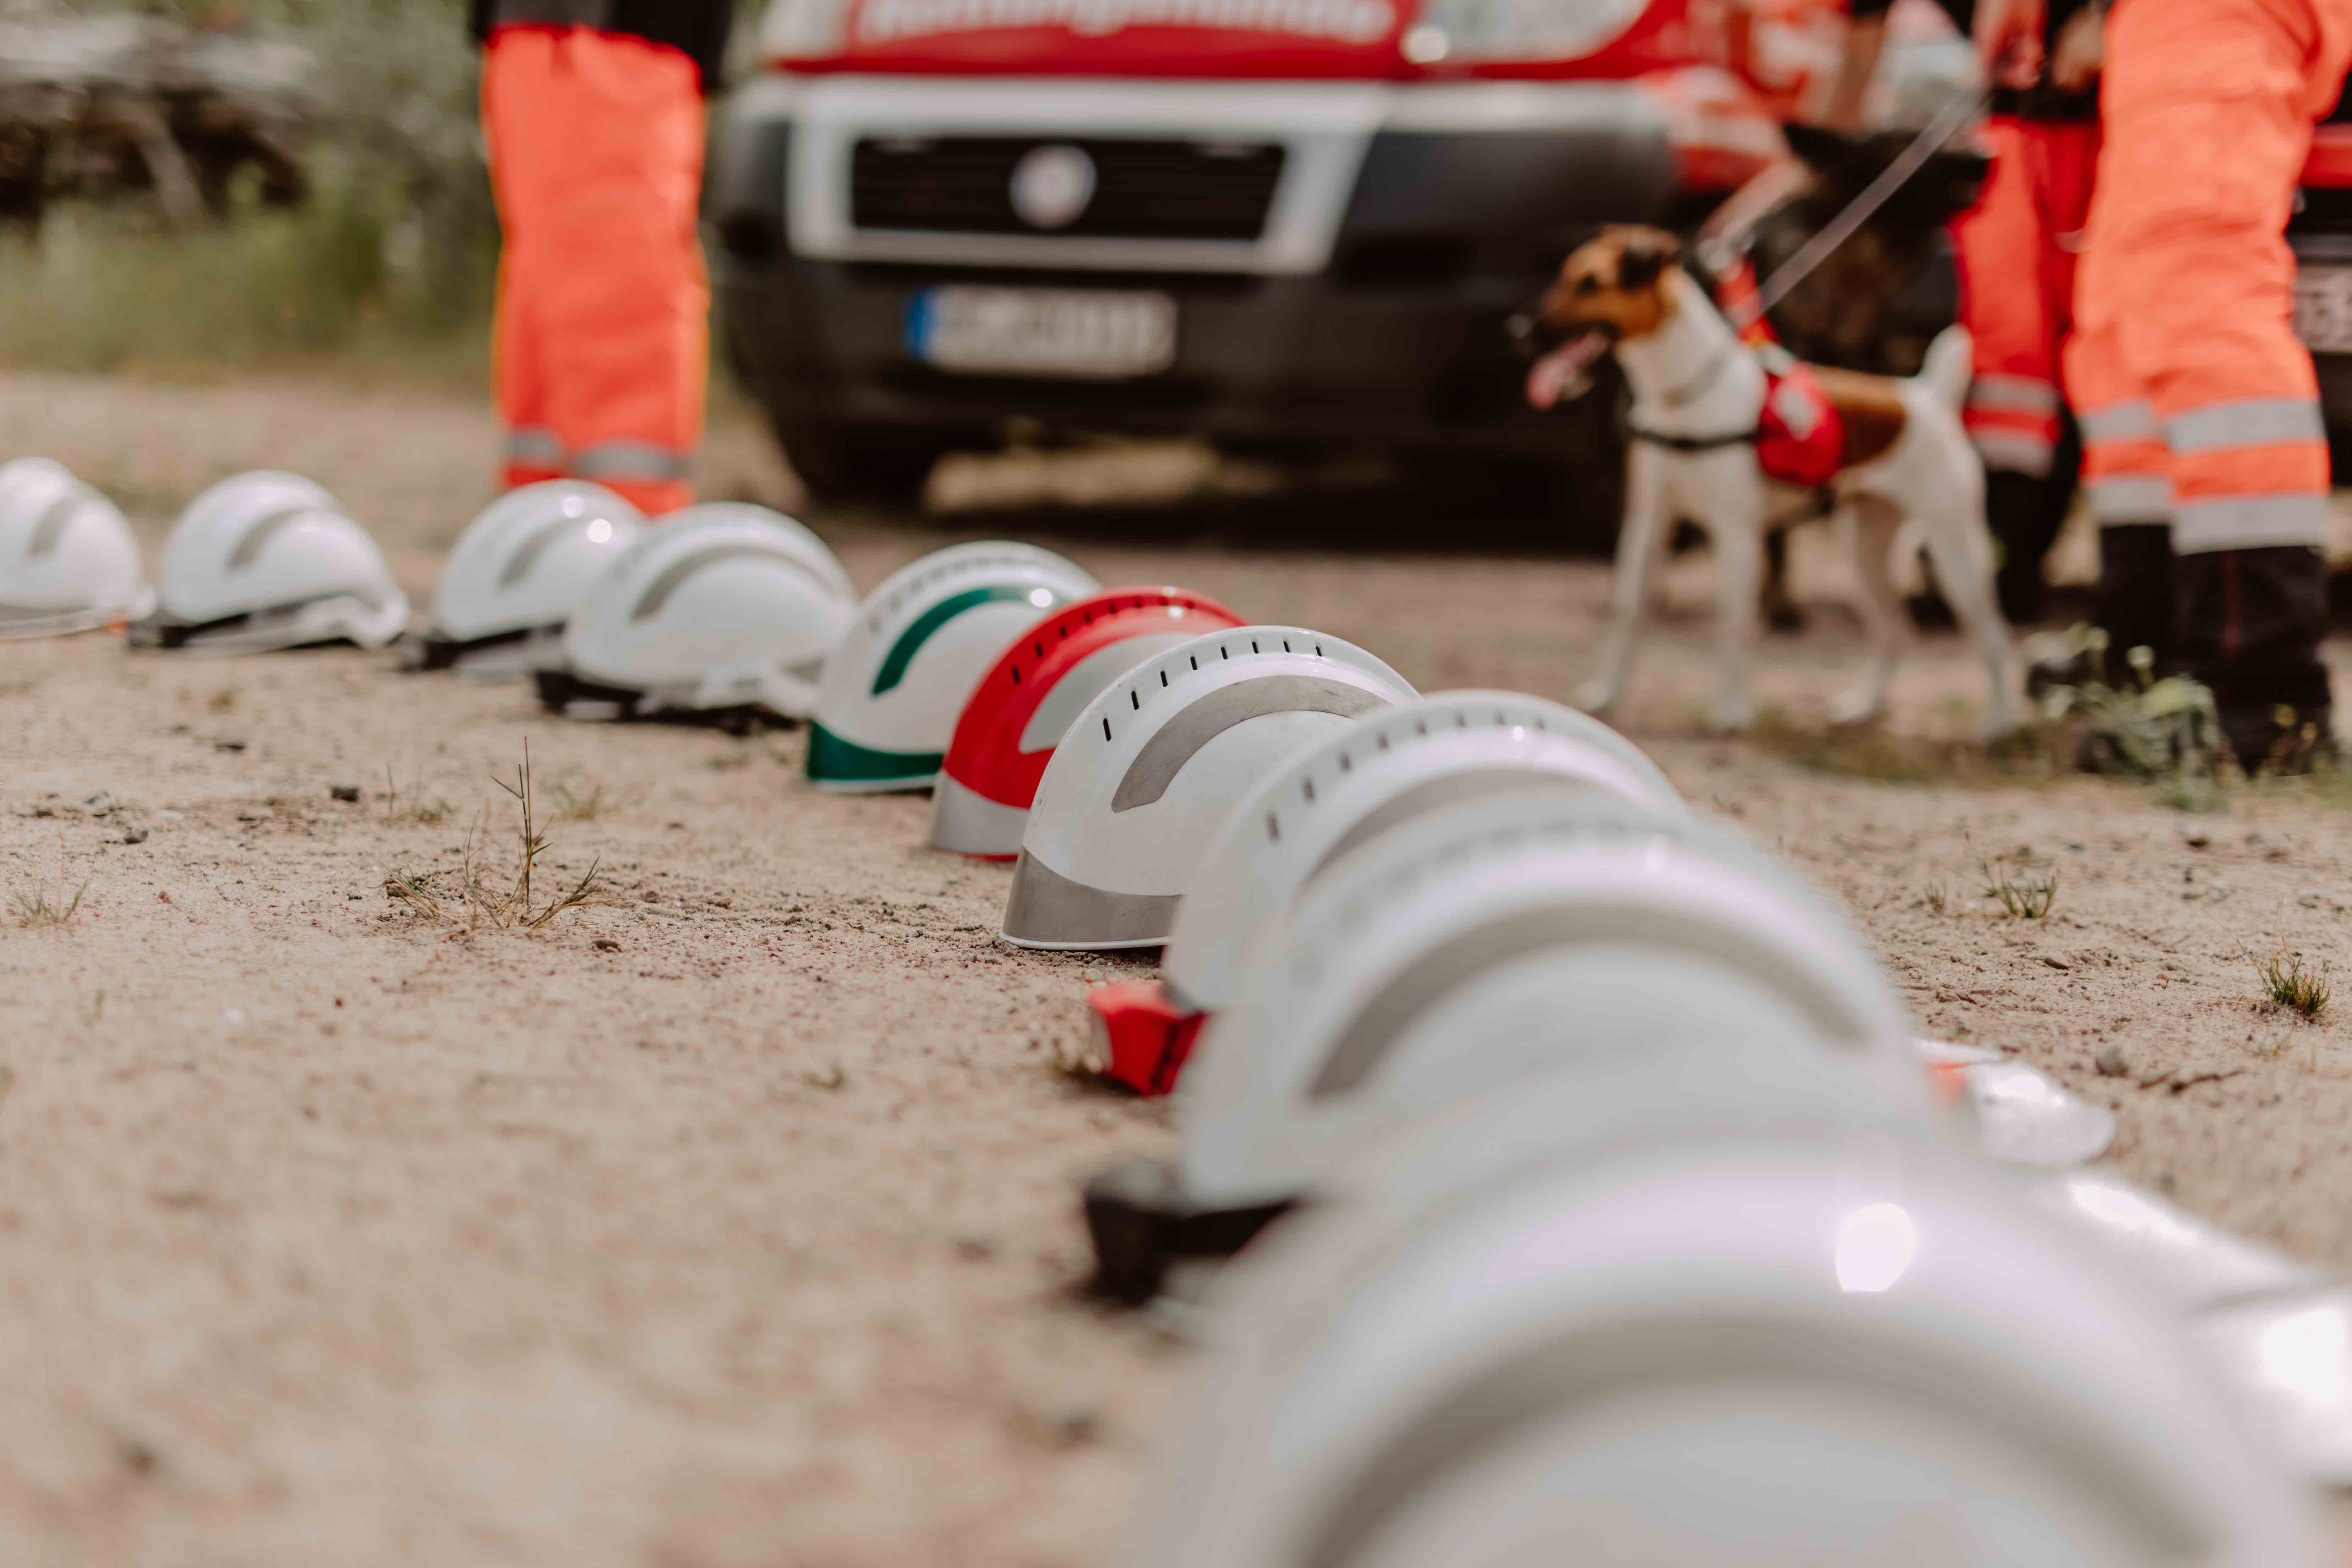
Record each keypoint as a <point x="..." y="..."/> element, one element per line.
<point x="1699" y="398"/>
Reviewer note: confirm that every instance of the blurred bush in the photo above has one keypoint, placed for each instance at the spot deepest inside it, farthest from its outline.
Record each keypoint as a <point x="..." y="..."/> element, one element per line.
<point x="390" y="262"/>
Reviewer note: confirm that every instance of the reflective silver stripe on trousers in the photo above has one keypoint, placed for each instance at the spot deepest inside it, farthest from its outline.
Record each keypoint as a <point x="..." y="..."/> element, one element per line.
<point x="2131" y="421"/>
<point x="629" y="461"/>
<point x="2013" y="394"/>
<point x="2013" y="451"/>
<point x="2248" y="522"/>
<point x="2131" y="498"/>
<point x="2250" y="422"/>
<point x="545" y="448"/>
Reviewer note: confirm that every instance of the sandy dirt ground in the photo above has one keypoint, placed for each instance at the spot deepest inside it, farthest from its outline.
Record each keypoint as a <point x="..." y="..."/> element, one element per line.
<point x="731" y="1220"/>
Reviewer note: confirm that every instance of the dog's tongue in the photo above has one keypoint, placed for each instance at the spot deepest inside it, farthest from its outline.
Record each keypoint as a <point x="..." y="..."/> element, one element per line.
<point x="1559" y="375"/>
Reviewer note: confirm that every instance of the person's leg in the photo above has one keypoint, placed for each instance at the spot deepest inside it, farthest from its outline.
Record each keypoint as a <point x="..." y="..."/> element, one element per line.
<point x="2013" y="407"/>
<point x="2127" y="467"/>
<point x="515" y="103"/>
<point x="2211" y="88"/>
<point x="628" y="349"/>
<point x="2067" y="157"/>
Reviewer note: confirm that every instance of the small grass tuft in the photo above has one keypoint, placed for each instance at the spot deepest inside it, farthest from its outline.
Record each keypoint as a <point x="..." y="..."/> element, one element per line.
<point x="423" y="812"/>
<point x="588" y="804"/>
<point x="476" y="899"/>
<point x="2165" y="733"/>
<point x="2291" y="987"/>
<point x="1937" y="896"/>
<point x="37" y="910"/>
<point x="2024" y="897"/>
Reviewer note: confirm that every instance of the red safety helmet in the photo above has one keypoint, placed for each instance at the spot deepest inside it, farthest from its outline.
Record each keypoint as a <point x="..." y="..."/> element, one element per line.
<point x="1022" y="707"/>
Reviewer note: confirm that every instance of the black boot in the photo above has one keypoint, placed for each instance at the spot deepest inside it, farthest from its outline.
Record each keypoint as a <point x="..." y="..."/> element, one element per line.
<point x="2014" y="511"/>
<point x="2135" y="601"/>
<point x="2026" y="514"/>
<point x="2133" y="607"/>
<point x="2248" y="623"/>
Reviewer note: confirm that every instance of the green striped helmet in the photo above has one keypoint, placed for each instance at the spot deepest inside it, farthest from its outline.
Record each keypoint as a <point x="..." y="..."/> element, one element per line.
<point x="893" y="686"/>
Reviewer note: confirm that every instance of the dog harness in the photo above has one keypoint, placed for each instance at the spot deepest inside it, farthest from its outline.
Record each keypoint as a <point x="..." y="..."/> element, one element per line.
<point x="1799" y="437"/>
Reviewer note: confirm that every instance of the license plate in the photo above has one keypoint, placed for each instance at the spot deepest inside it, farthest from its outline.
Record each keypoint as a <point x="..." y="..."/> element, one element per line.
<point x="2322" y="309"/>
<point x="1079" y="332"/>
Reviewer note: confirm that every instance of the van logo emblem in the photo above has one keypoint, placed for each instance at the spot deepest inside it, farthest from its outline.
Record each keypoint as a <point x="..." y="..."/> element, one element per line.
<point x="1052" y="186"/>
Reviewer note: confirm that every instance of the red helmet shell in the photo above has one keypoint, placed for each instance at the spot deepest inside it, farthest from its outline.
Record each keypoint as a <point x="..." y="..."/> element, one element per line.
<point x="986" y="755"/>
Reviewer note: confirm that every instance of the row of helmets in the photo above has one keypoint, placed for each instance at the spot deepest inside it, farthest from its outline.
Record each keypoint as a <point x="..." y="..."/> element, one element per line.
<point x="1592" y="1193"/>
<point x="1594" y="1196"/>
<point x="263" y="560"/>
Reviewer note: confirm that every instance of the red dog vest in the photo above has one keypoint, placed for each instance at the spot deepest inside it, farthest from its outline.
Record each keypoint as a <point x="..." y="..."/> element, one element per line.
<point x="1800" y="438"/>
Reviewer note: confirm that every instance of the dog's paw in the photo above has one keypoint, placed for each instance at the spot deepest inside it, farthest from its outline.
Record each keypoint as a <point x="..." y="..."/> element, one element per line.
<point x="1862" y="705"/>
<point x="1594" y="697"/>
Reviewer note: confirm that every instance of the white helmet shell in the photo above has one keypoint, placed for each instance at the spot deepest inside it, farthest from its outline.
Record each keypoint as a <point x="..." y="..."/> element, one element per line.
<point x="917" y="647"/>
<point x="2250" y="1306"/>
<point x="68" y="560"/>
<point x="1744" y="1349"/>
<point x="517" y="573"/>
<point x="716" y="609"/>
<point x="1512" y="937"/>
<point x="267" y="561"/>
<point x="1389" y="768"/>
<point x="1149" y="772"/>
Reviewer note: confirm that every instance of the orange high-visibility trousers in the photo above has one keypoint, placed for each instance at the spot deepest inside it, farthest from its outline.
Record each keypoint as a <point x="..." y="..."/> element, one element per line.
<point x="2016" y="249"/>
<point x="2197" y="406"/>
<point x="603" y="338"/>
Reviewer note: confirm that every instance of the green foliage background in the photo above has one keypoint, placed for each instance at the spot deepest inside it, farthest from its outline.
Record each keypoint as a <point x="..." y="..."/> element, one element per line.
<point x="388" y="267"/>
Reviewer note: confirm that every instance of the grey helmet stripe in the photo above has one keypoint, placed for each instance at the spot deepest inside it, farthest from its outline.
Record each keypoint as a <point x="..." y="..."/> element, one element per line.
<point x="248" y="548"/>
<point x="1046" y="906"/>
<point x="52" y="526"/>
<point x="534" y="545"/>
<point x="1382" y="1021"/>
<point x="658" y="593"/>
<point x="1433" y="795"/>
<point x="1178" y="741"/>
<point x="1488" y="1410"/>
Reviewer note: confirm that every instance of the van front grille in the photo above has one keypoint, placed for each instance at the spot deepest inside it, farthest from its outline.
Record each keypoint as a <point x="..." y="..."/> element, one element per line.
<point x="1142" y="189"/>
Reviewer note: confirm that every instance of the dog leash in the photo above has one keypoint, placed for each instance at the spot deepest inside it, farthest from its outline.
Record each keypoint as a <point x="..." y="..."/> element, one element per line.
<point x="1963" y="109"/>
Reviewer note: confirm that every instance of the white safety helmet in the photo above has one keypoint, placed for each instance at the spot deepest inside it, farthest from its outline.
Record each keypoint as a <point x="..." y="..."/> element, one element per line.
<point x="1393" y="766"/>
<point x="1029" y="697"/>
<point x="718" y="610"/>
<point x="68" y="560"/>
<point x="917" y="647"/>
<point x="2280" y="1330"/>
<point x="1736" y="1349"/>
<point x="1151" y="769"/>
<point x="1390" y="767"/>
<point x="266" y="560"/>
<point x="517" y="573"/>
<point x="2024" y="1116"/>
<point x="1496" y="940"/>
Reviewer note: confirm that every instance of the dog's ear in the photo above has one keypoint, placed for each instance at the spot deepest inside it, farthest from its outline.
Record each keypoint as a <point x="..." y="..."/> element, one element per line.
<point x="1643" y="255"/>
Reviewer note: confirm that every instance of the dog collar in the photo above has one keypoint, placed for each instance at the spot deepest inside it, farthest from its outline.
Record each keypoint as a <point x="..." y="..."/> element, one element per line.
<point x="1746" y="438"/>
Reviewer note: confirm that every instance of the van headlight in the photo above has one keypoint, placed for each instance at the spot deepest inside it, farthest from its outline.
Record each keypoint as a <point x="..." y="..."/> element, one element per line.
<point x="1469" y="32"/>
<point x="804" y="29"/>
